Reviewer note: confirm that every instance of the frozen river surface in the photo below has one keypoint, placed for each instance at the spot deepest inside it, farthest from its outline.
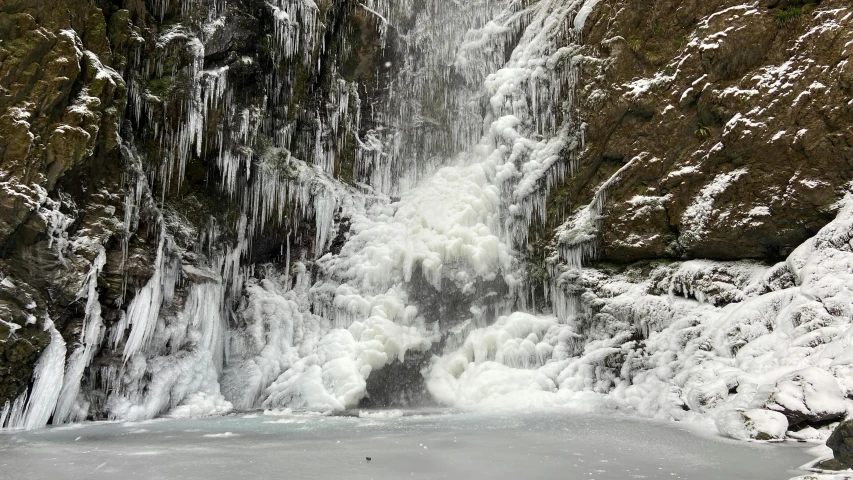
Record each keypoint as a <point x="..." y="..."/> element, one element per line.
<point x="447" y="445"/>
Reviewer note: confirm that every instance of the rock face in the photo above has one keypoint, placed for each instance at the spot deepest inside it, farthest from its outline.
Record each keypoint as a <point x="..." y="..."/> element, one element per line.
<point x="729" y="125"/>
<point x="60" y="110"/>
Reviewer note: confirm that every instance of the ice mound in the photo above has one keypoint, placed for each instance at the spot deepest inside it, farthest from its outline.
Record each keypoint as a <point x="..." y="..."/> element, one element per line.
<point x="776" y="357"/>
<point x="202" y="404"/>
<point x="286" y="357"/>
<point x="752" y="424"/>
<point x="807" y="395"/>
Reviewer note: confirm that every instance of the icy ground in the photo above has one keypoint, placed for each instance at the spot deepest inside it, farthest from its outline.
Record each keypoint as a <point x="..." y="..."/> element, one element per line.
<point x="401" y="445"/>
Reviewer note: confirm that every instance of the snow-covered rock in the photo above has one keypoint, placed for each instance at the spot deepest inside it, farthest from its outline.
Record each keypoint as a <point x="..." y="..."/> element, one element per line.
<point x="752" y="424"/>
<point x="807" y="395"/>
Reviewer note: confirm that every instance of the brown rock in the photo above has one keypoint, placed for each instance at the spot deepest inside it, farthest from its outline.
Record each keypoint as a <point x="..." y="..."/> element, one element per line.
<point x="739" y="124"/>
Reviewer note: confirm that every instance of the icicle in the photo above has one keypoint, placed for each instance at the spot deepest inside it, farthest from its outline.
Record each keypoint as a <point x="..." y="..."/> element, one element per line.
<point x="204" y="310"/>
<point x="15" y="416"/>
<point x="67" y="409"/>
<point x="287" y="257"/>
<point x="143" y="312"/>
<point x="4" y="413"/>
<point x="47" y="382"/>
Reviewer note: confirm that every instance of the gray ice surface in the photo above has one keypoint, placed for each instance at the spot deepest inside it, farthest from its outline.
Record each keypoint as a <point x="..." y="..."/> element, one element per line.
<point x="438" y="445"/>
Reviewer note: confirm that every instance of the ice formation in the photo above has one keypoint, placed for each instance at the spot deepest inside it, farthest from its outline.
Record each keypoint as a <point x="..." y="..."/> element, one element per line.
<point x="33" y="408"/>
<point x="67" y="408"/>
<point x="443" y="221"/>
<point x="311" y="339"/>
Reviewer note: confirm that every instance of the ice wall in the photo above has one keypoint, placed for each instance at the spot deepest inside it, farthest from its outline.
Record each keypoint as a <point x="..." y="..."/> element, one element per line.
<point x="458" y="226"/>
<point x="475" y="130"/>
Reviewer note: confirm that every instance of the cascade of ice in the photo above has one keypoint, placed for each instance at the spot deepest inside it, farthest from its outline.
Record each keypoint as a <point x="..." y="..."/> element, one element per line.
<point x="170" y="360"/>
<point x="434" y="108"/>
<point x="576" y="242"/>
<point x="476" y="129"/>
<point x="67" y="407"/>
<point x="456" y="225"/>
<point x="182" y="351"/>
<point x="144" y="311"/>
<point x="33" y="408"/>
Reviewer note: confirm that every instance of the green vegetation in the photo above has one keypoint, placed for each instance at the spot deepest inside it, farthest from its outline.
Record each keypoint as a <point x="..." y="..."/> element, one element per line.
<point x="655" y="58"/>
<point x="160" y="87"/>
<point x="702" y="131"/>
<point x="634" y="43"/>
<point x="656" y="28"/>
<point x="789" y="15"/>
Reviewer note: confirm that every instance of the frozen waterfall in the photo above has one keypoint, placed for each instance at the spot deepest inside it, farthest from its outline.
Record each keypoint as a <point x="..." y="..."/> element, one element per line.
<point x="409" y="285"/>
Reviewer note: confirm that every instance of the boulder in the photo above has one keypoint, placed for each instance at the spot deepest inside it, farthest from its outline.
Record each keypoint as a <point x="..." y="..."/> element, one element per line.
<point x="752" y="424"/>
<point x="841" y="443"/>
<point x="703" y="398"/>
<point x="808" y="395"/>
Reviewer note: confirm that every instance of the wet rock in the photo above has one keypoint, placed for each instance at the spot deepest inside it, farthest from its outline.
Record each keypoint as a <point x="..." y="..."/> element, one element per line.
<point x="234" y="33"/>
<point x="23" y="335"/>
<point x="841" y="443"/>
<point x="831" y="464"/>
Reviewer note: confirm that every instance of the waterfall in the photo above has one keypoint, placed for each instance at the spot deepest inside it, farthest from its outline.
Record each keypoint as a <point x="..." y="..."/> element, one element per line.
<point x="452" y="235"/>
<point x="474" y="128"/>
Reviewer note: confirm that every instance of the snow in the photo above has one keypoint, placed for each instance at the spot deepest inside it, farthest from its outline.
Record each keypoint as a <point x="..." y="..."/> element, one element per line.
<point x="641" y="86"/>
<point x="752" y="424"/>
<point x="700" y="211"/>
<point x="808" y="394"/>
<point x="221" y="435"/>
<point x="776" y="339"/>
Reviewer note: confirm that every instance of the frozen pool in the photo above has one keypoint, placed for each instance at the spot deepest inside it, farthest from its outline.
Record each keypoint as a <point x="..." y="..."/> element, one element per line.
<point x="425" y="446"/>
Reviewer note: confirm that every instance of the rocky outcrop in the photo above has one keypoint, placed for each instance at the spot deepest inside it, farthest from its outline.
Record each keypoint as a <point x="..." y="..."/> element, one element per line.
<point x="719" y="139"/>
<point x="753" y="424"/>
<point x="841" y="443"/>
<point x="809" y="395"/>
<point x="729" y="125"/>
<point x="111" y="133"/>
<point x="60" y="110"/>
